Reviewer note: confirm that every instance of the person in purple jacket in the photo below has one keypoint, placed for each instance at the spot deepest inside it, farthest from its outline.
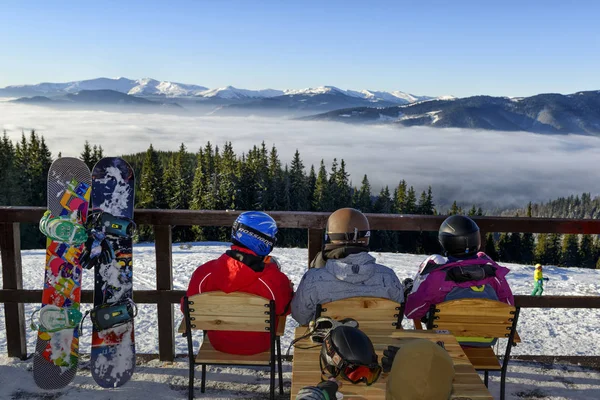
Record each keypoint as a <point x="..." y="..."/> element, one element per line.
<point x="462" y="272"/>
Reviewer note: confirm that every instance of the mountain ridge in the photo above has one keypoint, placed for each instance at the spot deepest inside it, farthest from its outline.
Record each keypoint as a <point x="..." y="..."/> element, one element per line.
<point x="543" y="113"/>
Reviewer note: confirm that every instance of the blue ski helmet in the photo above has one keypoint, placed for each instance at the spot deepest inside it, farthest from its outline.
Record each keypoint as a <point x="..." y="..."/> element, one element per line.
<point x="256" y="231"/>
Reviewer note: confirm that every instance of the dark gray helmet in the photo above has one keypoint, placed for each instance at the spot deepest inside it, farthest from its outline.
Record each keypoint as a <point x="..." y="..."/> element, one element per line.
<point x="459" y="236"/>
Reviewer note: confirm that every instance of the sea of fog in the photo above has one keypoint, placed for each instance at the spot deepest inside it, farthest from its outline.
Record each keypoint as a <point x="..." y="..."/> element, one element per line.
<point x="495" y="168"/>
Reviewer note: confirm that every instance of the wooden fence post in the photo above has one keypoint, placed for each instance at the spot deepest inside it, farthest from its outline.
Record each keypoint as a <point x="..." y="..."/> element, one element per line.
<point x="164" y="281"/>
<point x="12" y="278"/>
<point x="483" y="235"/>
<point x="315" y="241"/>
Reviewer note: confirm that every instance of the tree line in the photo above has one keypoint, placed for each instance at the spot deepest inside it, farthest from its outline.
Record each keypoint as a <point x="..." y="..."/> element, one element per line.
<point x="216" y="178"/>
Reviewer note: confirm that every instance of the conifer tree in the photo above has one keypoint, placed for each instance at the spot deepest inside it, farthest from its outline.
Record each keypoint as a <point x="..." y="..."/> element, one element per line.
<point x="411" y="201"/>
<point x="321" y="197"/>
<point x="7" y="171"/>
<point x="426" y="206"/>
<point x="527" y="242"/>
<point x="515" y="244"/>
<point x="344" y="194"/>
<point x="570" y="251"/>
<point x="504" y="251"/>
<point x="228" y="177"/>
<point x="472" y="212"/>
<point x="455" y="209"/>
<point x="298" y="185"/>
<point x="197" y="194"/>
<point x="586" y="252"/>
<point x="97" y="154"/>
<point x="541" y="249"/>
<point x="152" y="193"/>
<point x="399" y="205"/>
<point x="86" y="155"/>
<point x="490" y="246"/>
<point x="275" y="179"/>
<point x="554" y="249"/>
<point x="312" y="184"/>
<point x="196" y="200"/>
<point x="380" y="239"/>
<point x="362" y="197"/>
<point x="179" y="180"/>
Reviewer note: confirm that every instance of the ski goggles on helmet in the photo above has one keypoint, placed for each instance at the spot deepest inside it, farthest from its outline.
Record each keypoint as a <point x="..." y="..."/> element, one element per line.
<point x="333" y="365"/>
<point x="321" y="327"/>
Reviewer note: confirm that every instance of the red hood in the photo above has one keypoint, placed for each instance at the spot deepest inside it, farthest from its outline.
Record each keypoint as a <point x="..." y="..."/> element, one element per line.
<point x="233" y="275"/>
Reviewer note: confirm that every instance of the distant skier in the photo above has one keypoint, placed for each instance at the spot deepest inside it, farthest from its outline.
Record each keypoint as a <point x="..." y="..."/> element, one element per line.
<point x="538" y="278"/>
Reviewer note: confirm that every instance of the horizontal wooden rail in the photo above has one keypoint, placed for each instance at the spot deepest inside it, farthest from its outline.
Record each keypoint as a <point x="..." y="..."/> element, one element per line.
<point x="317" y="220"/>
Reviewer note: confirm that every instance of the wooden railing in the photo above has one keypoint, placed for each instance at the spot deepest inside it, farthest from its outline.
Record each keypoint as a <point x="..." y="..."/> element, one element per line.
<point x="14" y="297"/>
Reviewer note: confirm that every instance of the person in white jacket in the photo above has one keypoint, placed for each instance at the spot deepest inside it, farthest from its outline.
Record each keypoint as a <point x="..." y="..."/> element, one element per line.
<point x="348" y="271"/>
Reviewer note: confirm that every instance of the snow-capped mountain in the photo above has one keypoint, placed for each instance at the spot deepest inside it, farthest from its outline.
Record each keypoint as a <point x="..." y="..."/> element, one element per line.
<point x="226" y="100"/>
<point x="231" y="93"/>
<point x="152" y="87"/>
<point x="122" y="85"/>
<point x="147" y="87"/>
<point x="371" y="95"/>
<point x="543" y="113"/>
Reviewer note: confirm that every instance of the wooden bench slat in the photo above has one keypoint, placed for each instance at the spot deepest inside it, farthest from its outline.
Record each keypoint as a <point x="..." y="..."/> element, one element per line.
<point x="483" y="358"/>
<point x="370" y="312"/>
<point x="209" y="355"/>
<point x="474" y="330"/>
<point x="280" y="326"/>
<point x="231" y="323"/>
<point x="483" y="307"/>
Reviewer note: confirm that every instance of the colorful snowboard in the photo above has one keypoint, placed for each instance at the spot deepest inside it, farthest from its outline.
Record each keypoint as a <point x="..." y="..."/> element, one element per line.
<point x="57" y="353"/>
<point x="113" y="349"/>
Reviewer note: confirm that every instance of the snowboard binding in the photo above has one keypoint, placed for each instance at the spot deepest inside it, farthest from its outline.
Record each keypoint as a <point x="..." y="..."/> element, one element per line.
<point x="53" y="319"/>
<point x="111" y="225"/>
<point x="112" y="315"/>
<point x="63" y="229"/>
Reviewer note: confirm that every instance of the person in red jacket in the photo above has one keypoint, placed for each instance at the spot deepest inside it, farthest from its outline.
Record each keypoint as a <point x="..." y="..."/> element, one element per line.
<point x="245" y="268"/>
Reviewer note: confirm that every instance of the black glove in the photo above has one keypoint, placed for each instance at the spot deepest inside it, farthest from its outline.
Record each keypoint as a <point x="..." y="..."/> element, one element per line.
<point x="546" y="279"/>
<point x="106" y="254"/>
<point x="85" y="258"/>
<point x="88" y="260"/>
<point x="329" y="387"/>
<point x="388" y="358"/>
<point x="408" y="285"/>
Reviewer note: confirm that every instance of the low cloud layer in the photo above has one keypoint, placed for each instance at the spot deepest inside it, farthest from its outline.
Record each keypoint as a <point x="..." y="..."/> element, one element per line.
<point x="483" y="167"/>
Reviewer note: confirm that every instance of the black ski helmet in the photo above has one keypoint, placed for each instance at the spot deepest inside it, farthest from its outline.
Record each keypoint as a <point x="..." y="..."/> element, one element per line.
<point x="346" y="345"/>
<point x="459" y="236"/>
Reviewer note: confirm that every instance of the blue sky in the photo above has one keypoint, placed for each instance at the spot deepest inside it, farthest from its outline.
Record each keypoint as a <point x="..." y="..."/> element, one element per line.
<point x="512" y="48"/>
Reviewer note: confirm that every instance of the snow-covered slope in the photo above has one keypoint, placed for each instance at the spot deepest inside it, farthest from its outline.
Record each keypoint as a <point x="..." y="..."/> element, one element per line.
<point x="229" y="92"/>
<point x="371" y="95"/>
<point x="543" y="331"/>
<point x="152" y="87"/>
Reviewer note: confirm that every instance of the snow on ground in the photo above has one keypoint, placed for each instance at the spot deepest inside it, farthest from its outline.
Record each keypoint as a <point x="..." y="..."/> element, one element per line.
<point x="543" y="331"/>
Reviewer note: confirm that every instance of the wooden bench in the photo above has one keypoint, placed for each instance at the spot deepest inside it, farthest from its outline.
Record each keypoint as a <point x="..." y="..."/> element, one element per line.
<point x="218" y="311"/>
<point x="468" y="318"/>
<point x="370" y="312"/>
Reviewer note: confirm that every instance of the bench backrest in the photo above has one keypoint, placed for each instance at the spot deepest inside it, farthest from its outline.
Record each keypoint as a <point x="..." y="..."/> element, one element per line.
<point x="370" y="312"/>
<point x="474" y="318"/>
<point x="219" y="311"/>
